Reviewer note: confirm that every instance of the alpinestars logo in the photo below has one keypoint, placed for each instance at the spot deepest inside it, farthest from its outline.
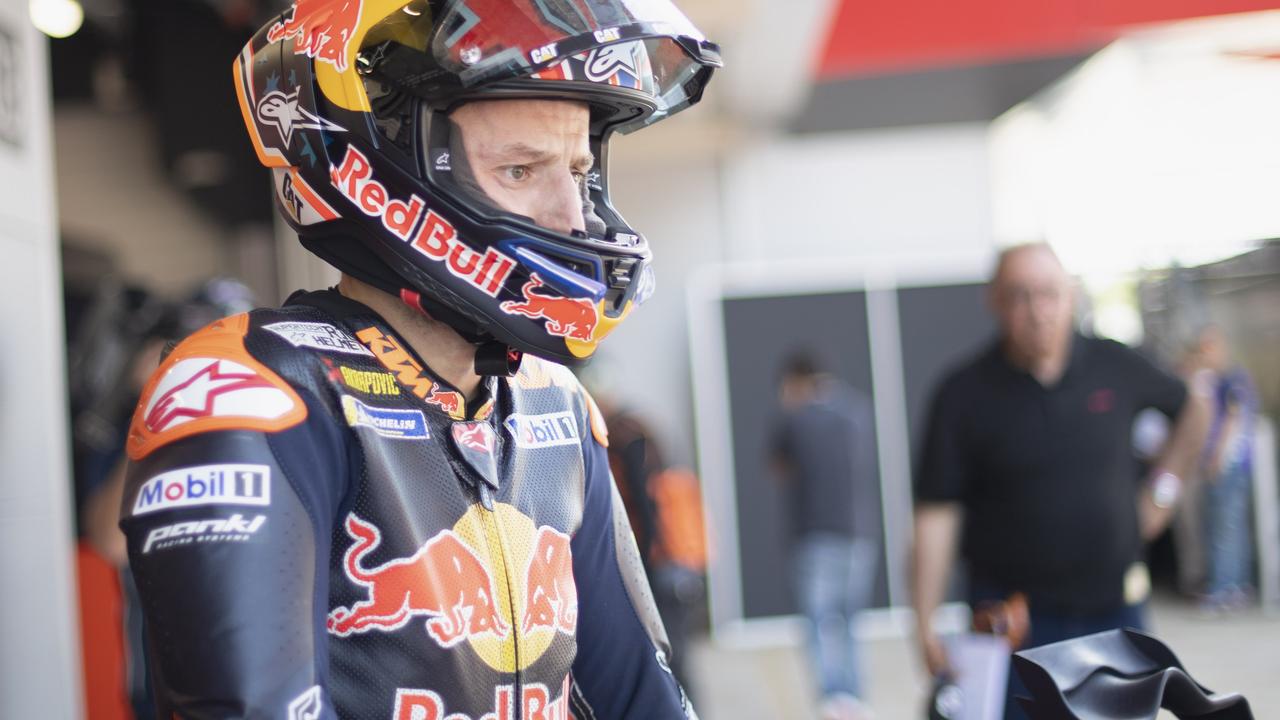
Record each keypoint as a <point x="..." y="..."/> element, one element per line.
<point x="209" y="387"/>
<point x="604" y="63"/>
<point x="283" y="112"/>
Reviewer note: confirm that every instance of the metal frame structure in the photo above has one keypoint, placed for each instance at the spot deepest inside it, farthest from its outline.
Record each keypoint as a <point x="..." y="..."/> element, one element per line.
<point x="880" y="280"/>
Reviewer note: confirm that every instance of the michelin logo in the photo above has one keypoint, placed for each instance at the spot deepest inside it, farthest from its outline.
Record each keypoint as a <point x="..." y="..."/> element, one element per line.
<point x="320" y="336"/>
<point x="387" y="422"/>
<point x="205" y="485"/>
<point x="539" y="431"/>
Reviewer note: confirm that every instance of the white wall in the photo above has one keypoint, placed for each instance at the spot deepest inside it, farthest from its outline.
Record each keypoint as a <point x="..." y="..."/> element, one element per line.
<point x="901" y="197"/>
<point x="39" y="648"/>
<point x="893" y="200"/>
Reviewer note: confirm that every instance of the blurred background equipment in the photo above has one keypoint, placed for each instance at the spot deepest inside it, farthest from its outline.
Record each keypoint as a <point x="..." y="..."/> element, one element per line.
<point x="1111" y="674"/>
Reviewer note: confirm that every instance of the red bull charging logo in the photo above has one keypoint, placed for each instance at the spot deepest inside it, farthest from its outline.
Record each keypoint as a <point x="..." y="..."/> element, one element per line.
<point x="323" y="28"/>
<point x="490" y="580"/>
<point x="566" y="317"/>
<point x="444" y="581"/>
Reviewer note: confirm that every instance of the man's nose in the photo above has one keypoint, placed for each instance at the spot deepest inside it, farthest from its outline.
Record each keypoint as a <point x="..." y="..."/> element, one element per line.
<point x="562" y="205"/>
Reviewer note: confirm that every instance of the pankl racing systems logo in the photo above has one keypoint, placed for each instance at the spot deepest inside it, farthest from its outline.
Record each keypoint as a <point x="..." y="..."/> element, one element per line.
<point x="436" y="238"/>
<point x="453" y="582"/>
<point x="324" y="29"/>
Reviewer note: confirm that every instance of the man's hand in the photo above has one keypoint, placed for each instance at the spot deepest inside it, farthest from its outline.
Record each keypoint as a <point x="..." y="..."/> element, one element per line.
<point x="937" y="528"/>
<point x="934" y="654"/>
<point x="1180" y="457"/>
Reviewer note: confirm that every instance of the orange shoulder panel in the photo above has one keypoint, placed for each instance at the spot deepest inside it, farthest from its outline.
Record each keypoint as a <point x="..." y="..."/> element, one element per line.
<point x="598" y="428"/>
<point x="210" y="382"/>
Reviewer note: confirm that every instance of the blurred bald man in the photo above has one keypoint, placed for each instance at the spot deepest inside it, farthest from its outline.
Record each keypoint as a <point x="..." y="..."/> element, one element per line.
<point x="1027" y="462"/>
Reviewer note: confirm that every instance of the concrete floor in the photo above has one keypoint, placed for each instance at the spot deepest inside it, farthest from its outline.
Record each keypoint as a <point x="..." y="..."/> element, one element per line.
<point x="1240" y="653"/>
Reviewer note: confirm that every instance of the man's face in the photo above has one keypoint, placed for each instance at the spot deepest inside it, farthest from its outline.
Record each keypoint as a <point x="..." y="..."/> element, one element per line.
<point x="1213" y="349"/>
<point x="1032" y="298"/>
<point x="530" y="157"/>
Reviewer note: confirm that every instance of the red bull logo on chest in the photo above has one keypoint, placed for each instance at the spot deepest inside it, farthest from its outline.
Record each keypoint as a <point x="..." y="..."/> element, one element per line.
<point x="493" y="580"/>
<point x="444" y="581"/>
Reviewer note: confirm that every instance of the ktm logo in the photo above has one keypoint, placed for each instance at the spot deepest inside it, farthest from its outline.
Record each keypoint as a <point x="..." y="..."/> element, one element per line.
<point x="407" y="370"/>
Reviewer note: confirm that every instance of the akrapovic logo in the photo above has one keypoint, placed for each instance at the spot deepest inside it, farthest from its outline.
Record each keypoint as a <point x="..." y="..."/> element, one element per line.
<point x="205" y="485"/>
<point x="536" y="431"/>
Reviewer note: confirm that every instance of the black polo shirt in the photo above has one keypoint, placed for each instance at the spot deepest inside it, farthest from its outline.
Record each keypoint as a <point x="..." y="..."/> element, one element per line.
<point x="1046" y="475"/>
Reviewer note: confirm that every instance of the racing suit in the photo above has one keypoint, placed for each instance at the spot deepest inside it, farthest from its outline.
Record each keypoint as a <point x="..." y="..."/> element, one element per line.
<point x="321" y="528"/>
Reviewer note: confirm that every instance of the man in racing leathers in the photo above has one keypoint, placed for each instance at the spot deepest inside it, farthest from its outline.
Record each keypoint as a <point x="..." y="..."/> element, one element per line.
<point x="363" y="505"/>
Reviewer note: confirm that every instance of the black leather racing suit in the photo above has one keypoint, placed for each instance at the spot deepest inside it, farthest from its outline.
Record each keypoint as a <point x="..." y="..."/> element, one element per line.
<point x="320" y="528"/>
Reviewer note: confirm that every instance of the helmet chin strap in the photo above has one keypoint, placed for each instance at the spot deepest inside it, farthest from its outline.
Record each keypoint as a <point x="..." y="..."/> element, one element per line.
<point x="497" y="359"/>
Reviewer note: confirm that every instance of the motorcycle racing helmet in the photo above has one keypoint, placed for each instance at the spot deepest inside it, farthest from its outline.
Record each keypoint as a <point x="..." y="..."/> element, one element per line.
<point x="348" y="102"/>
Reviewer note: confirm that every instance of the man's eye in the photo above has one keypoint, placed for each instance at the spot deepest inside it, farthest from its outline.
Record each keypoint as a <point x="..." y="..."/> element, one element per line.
<point x="579" y="177"/>
<point x="517" y="172"/>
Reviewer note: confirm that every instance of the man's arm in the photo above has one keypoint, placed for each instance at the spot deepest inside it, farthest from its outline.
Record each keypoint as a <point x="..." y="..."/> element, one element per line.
<point x="621" y="670"/>
<point x="941" y="481"/>
<point x="937" y="528"/>
<point x="1176" y="467"/>
<point x="230" y="561"/>
<point x="227" y="509"/>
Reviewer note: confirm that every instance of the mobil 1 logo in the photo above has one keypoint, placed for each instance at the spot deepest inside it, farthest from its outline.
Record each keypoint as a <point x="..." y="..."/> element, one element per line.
<point x="538" y="431"/>
<point x="228" y="484"/>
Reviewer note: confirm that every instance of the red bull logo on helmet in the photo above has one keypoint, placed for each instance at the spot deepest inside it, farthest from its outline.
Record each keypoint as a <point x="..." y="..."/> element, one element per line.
<point x="493" y="581"/>
<point x="425" y="230"/>
<point x="323" y="29"/>
<point x="566" y="317"/>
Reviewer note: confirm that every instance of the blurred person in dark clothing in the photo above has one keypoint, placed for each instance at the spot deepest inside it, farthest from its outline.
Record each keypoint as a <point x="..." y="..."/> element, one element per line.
<point x="1027" y="462"/>
<point x="1227" y="467"/>
<point x="824" y="452"/>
